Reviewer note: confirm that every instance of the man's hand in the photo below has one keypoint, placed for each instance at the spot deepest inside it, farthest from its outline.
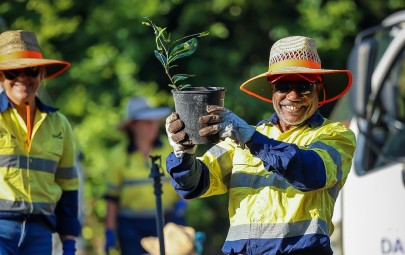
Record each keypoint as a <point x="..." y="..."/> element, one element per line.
<point x="178" y="139"/>
<point x="226" y="124"/>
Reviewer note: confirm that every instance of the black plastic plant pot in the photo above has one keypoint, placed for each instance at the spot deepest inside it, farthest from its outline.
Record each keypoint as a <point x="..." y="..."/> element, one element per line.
<point x="191" y="103"/>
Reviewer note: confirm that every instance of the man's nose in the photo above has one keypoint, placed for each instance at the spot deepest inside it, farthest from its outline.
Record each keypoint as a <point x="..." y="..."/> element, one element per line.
<point x="293" y="94"/>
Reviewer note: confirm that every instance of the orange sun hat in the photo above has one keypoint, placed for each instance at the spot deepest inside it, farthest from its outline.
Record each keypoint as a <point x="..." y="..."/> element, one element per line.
<point x="20" y="49"/>
<point x="297" y="56"/>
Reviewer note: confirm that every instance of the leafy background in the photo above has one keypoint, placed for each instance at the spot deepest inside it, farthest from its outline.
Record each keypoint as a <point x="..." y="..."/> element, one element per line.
<point x="112" y="59"/>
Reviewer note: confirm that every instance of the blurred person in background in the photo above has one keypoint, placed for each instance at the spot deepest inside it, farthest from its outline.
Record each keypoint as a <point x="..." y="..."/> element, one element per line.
<point x="283" y="175"/>
<point x="38" y="178"/>
<point x="131" y="205"/>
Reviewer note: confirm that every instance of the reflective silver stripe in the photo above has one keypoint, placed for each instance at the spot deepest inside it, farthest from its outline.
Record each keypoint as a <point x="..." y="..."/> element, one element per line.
<point x="218" y="151"/>
<point x="144" y="181"/>
<point x="13" y="205"/>
<point x="256" y="181"/>
<point x="126" y="212"/>
<point x="25" y="207"/>
<point x="277" y="230"/>
<point x="66" y="173"/>
<point x="333" y="153"/>
<point x="37" y="164"/>
<point x="334" y="191"/>
<point x="44" y="208"/>
<point x="224" y="160"/>
<point x="222" y="156"/>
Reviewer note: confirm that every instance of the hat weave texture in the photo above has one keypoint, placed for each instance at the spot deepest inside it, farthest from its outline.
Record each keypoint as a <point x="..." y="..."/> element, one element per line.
<point x="20" y="49"/>
<point x="294" y="47"/>
<point x="15" y="41"/>
<point x="298" y="55"/>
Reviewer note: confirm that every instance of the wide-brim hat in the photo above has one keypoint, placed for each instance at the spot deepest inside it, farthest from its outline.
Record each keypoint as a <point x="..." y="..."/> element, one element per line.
<point x="139" y="109"/>
<point x="20" y="49"/>
<point x="298" y="55"/>
<point x="179" y="240"/>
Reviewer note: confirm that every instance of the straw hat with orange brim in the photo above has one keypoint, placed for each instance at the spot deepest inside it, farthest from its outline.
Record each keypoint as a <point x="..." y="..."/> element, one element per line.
<point x="20" y="49"/>
<point x="179" y="240"/>
<point x="297" y="57"/>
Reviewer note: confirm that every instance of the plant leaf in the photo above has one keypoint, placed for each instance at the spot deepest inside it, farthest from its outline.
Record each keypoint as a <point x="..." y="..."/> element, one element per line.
<point x="184" y="86"/>
<point x="160" y="35"/>
<point x="179" y="77"/>
<point x="161" y="58"/>
<point x="202" y="34"/>
<point x="183" y="50"/>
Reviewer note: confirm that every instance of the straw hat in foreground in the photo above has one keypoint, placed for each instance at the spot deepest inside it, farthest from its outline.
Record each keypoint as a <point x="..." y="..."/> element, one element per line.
<point x="298" y="56"/>
<point x="178" y="240"/>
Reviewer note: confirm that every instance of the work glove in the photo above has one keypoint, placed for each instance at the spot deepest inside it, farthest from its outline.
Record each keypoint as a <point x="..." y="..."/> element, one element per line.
<point x="109" y="240"/>
<point x="178" y="139"/>
<point x="68" y="247"/>
<point x="227" y="124"/>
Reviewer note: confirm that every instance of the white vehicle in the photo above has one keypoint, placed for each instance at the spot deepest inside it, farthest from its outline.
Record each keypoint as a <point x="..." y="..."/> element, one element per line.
<point x="370" y="211"/>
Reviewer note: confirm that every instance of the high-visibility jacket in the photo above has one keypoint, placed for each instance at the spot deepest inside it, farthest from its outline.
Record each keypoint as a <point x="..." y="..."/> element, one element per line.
<point x="282" y="189"/>
<point x="130" y="185"/>
<point x="38" y="177"/>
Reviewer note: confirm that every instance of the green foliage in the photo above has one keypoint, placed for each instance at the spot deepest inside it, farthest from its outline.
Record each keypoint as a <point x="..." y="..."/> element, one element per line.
<point x="167" y="51"/>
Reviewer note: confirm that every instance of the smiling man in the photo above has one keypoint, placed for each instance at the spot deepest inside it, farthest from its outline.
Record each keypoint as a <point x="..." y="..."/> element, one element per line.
<point x="284" y="174"/>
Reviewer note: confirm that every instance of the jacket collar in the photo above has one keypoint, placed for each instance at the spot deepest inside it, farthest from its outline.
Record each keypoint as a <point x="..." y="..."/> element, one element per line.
<point x="5" y="103"/>
<point x="315" y="120"/>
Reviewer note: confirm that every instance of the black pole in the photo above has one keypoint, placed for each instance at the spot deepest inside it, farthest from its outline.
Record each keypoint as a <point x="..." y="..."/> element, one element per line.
<point x="156" y="173"/>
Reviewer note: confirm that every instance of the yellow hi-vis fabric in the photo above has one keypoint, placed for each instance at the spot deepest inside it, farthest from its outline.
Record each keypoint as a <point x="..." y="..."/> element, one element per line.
<point x="34" y="174"/>
<point x="262" y="204"/>
<point x="130" y="184"/>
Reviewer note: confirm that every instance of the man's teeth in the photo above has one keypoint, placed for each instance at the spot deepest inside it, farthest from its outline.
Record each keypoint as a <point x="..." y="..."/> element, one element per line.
<point x="292" y="108"/>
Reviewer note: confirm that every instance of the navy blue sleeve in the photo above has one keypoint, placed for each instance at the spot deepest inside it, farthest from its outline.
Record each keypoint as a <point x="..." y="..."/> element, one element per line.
<point x="304" y="169"/>
<point x="66" y="212"/>
<point x="190" y="176"/>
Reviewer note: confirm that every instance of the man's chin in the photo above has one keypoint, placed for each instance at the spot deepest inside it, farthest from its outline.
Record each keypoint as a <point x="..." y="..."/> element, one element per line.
<point x="292" y="121"/>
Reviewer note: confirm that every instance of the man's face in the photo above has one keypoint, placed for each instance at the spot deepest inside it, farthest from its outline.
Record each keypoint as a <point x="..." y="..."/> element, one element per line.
<point x="147" y="130"/>
<point x="295" y="101"/>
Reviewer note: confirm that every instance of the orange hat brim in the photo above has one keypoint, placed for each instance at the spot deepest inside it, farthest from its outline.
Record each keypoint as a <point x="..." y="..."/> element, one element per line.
<point x="336" y="84"/>
<point x="53" y="67"/>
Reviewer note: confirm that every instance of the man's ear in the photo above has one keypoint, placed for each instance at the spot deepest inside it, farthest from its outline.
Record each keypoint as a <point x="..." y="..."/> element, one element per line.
<point x="43" y="73"/>
<point x="319" y="87"/>
<point x="320" y="91"/>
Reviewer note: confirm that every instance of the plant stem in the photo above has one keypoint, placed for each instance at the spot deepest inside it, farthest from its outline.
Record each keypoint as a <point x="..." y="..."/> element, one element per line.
<point x="170" y="78"/>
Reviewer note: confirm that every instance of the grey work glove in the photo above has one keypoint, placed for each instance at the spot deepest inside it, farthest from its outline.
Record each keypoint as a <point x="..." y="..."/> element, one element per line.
<point x="226" y="124"/>
<point x="178" y="139"/>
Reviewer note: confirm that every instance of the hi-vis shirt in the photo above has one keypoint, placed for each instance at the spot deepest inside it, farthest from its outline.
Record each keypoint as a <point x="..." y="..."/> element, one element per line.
<point x="38" y="177"/>
<point x="131" y="187"/>
<point x="282" y="189"/>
